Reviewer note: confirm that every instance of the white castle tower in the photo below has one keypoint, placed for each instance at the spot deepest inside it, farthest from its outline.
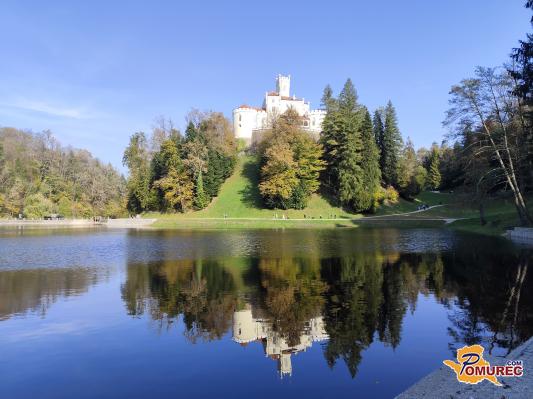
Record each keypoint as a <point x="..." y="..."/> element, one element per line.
<point x="283" y="85"/>
<point x="249" y="122"/>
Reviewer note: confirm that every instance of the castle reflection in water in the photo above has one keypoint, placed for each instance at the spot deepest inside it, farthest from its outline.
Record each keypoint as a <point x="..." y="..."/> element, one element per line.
<point x="247" y="329"/>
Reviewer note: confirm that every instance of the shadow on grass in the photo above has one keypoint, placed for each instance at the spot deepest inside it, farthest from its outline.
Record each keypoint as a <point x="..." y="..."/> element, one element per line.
<point x="250" y="195"/>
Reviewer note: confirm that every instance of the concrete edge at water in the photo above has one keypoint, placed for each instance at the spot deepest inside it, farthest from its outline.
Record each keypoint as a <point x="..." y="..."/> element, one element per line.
<point x="80" y="223"/>
<point x="443" y="383"/>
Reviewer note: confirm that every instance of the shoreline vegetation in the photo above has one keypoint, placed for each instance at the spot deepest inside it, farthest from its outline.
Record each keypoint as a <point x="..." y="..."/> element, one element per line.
<point x="238" y="206"/>
<point x="240" y="202"/>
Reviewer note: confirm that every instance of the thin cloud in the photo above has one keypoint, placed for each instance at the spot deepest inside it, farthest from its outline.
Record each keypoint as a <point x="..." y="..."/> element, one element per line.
<point x="48" y="109"/>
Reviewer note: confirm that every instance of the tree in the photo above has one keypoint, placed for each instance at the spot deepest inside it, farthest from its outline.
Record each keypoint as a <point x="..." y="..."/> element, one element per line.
<point x="433" y="175"/>
<point x="332" y="138"/>
<point x="328" y="101"/>
<point x="484" y="101"/>
<point x="391" y="147"/>
<point x="369" y="163"/>
<point x="37" y="174"/>
<point x="351" y="183"/>
<point x="291" y="164"/>
<point x="348" y="98"/>
<point x="137" y="159"/>
<point x="379" y="128"/>
<point x="200" y="197"/>
<point x="353" y="172"/>
<point x="278" y="175"/>
<point x="339" y="123"/>
<point x="411" y="175"/>
<point x="177" y="188"/>
<point x="521" y="72"/>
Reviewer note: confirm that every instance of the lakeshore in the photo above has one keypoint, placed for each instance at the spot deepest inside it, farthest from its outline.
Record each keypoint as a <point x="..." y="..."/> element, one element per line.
<point x="443" y="383"/>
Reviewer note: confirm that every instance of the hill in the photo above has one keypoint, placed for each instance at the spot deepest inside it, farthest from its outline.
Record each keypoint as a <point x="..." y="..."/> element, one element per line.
<point x="239" y="205"/>
<point x="239" y="198"/>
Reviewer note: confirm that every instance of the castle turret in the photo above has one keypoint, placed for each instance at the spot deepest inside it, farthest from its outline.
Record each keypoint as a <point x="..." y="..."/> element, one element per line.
<point x="283" y="85"/>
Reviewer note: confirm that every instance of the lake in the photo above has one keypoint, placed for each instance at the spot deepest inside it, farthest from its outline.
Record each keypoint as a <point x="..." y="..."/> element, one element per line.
<point x="342" y="313"/>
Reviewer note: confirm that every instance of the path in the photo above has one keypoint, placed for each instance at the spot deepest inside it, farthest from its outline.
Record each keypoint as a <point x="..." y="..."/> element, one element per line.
<point x="393" y="216"/>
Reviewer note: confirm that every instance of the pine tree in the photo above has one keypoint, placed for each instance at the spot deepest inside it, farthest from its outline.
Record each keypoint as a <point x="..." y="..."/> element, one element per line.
<point x="434" y="177"/>
<point x="369" y="164"/>
<point x="391" y="147"/>
<point x="200" y="197"/>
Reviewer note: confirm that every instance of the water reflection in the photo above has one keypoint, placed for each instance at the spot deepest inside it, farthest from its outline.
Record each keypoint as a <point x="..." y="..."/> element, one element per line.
<point x="346" y="295"/>
<point x="247" y="329"/>
<point x="35" y="290"/>
<point x="345" y="303"/>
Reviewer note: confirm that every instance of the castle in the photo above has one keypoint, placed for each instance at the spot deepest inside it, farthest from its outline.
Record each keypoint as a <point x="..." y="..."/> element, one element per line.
<point x="249" y="122"/>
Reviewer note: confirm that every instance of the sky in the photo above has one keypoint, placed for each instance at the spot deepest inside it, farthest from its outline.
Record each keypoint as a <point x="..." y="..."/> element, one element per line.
<point x="95" y="72"/>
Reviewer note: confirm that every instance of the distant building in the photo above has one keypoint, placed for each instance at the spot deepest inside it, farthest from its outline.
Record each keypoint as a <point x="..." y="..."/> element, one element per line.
<point x="248" y="329"/>
<point x="249" y="122"/>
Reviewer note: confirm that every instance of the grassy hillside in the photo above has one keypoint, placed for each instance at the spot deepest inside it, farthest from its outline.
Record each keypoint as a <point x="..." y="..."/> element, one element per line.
<point x="239" y="198"/>
<point x="240" y="202"/>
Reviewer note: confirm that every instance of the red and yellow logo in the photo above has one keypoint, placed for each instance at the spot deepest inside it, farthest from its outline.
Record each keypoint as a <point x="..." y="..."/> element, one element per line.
<point x="472" y="368"/>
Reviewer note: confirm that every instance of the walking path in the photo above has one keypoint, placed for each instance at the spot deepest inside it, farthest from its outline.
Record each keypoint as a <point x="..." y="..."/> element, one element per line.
<point x="443" y="382"/>
<point x="142" y="222"/>
<point x="393" y="216"/>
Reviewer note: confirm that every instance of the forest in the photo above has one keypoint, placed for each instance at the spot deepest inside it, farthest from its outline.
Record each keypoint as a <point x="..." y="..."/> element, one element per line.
<point x="39" y="178"/>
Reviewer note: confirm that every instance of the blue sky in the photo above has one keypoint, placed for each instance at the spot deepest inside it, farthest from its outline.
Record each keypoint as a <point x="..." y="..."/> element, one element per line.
<point x="95" y="72"/>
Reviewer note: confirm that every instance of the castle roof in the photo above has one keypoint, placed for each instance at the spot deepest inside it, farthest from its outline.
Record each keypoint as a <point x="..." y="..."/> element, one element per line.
<point x="250" y="107"/>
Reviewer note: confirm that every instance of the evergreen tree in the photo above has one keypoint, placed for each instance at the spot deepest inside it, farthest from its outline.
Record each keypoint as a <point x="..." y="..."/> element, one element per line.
<point x="391" y="147"/>
<point x="201" y="199"/>
<point x="348" y="98"/>
<point x="434" y="177"/>
<point x="351" y="179"/>
<point x="379" y="128"/>
<point x="335" y="130"/>
<point x="331" y="138"/>
<point x="369" y="164"/>
<point x="191" y="132"/>
<point x="327" y="102"/>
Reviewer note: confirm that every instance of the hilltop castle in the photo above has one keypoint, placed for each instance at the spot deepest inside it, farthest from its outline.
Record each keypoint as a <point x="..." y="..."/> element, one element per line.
<point x="249" y="122"/>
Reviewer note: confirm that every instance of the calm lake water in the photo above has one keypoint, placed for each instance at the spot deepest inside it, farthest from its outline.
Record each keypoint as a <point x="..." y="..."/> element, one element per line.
<point x="263" y="314"/>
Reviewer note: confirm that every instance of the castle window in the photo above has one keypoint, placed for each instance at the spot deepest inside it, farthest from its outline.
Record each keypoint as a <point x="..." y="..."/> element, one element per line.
<point x="240" y="118"/>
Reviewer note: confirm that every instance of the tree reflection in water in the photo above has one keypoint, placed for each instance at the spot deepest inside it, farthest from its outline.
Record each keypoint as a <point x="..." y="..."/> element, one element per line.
<point x="286" y="304"/>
